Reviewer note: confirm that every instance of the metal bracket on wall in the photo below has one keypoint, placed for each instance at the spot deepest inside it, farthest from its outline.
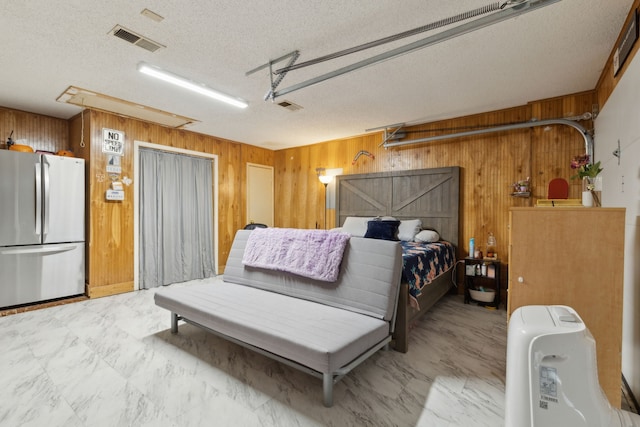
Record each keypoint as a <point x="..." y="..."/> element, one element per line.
<point x="390" y="135"/>
<point x="617" y="152"/>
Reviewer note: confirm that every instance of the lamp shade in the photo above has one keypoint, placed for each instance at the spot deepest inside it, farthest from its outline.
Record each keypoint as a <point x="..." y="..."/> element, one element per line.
<point x="325" y="179"/>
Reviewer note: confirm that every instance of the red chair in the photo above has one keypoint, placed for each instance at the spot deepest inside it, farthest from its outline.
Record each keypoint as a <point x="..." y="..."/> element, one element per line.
<point x="558" y="189"/>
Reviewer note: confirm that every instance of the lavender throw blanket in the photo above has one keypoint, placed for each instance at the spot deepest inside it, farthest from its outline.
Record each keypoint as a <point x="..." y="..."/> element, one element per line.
<point x="316" y="254"/>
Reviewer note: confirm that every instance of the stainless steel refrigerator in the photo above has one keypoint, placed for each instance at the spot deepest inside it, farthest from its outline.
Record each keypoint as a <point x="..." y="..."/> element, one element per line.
<point x="41" y="227"/>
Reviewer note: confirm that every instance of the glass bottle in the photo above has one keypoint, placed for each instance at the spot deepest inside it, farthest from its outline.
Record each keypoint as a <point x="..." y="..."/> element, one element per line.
<point x="491" y="246"/>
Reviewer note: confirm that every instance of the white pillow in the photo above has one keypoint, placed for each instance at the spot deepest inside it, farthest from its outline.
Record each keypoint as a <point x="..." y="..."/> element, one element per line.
<point x="427" y="236"/>
<point x="408" y="229"/>
<point x="356" y="225"/>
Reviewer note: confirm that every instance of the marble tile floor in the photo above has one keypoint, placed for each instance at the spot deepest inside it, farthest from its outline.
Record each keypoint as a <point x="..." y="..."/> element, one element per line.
<point x="113" y="362"/>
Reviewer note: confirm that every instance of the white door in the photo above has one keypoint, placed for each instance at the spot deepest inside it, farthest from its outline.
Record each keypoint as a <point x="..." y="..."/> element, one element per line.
<point x="260" y="194"/>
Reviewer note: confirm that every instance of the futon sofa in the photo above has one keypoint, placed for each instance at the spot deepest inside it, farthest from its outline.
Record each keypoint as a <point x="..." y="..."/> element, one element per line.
<point x="323" y="328"/>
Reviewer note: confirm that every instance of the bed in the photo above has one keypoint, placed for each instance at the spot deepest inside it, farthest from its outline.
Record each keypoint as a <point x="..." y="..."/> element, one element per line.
<point x="430" y="195"/>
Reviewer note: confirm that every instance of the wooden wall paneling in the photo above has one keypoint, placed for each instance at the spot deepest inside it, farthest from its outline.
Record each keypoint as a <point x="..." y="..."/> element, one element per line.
<point x="306" y="194"/>
<point x="35" y="130"/>
<point x="230" y="210"/>
<point x="315" y="196"/>
<point x="489" y="164"/>
<point x="80" y="144"/>
<point x="295" y="180"/>
<point x="280" y="185"/>
<point x="284" y="187"/>
<point x="110" y="234"/>
<point x="553" y="150"/>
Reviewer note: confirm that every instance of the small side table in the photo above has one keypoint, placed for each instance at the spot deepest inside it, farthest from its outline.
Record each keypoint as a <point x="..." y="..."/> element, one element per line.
<point x="482" y="274"/>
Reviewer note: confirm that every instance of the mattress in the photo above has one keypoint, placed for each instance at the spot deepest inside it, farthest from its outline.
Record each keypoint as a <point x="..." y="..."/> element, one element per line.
<point x="422" y="263"/>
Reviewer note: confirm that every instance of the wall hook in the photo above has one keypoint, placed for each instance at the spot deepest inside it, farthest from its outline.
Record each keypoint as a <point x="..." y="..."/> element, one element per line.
<point x="616" y="152"/>
<point x="360" y="153"/>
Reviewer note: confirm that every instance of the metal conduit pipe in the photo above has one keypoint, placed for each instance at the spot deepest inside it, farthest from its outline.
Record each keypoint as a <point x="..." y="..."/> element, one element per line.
<point x="588" y="140"/>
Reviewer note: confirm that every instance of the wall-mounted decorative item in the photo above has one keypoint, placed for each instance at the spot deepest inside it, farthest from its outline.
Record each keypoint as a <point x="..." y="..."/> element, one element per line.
<point x="362" y="153"/>
<point x="113" y="164"/>
<point x="112" y="142"/>
<point x="116" y="192"/>
<point x="115" y="195"/>
<point x="522" y="188"/>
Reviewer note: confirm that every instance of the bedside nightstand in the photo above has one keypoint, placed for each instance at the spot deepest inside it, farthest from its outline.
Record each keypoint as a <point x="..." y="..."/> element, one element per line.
<point x="483" y="277"/>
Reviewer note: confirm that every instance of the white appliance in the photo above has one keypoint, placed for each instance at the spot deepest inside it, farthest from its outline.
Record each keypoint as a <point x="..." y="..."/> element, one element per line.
<point x="552" y="376"/>
<point x="41" y="227"/>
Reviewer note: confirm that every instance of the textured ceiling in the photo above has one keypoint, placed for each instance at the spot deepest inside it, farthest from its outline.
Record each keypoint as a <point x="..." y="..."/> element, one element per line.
<point x="48" y="46"/>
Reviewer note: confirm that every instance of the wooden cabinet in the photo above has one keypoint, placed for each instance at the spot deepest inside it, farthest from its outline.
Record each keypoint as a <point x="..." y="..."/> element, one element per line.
<point x="574" y="257"/>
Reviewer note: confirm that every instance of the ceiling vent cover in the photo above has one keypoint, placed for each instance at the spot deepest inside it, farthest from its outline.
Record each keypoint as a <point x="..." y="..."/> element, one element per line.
<point x="290" y="105"/>
<point x="136" y="39"/>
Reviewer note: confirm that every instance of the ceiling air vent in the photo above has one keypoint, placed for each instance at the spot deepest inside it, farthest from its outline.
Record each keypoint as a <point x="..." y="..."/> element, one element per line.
<point x="135" y="39"/>
<point x="289" y="106"/>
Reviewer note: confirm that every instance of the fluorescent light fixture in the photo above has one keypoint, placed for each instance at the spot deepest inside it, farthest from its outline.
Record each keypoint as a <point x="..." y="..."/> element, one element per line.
<point x="168" y="77"/>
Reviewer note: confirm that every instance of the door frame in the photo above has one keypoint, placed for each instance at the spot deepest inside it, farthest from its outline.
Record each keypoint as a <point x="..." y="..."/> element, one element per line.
<point x="136" y="200"/>
<point x="271" y="168"/>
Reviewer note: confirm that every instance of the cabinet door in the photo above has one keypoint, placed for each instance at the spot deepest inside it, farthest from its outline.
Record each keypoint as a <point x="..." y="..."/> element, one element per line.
<point x="573" y="257"/>
<point x="545" y="264"/>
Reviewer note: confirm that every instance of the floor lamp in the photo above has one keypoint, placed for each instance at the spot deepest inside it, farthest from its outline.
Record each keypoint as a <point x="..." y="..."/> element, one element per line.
<point x="324" y="179"/>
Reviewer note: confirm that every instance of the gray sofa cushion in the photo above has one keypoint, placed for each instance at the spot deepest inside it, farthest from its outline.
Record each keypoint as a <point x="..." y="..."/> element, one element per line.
<point x="368" y="282"/>
<point x="319" y="336"/>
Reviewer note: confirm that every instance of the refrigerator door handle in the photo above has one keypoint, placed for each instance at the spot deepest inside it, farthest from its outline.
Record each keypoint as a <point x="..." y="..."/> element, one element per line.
<point x="46" y="197"/>
<point x="48" y="249"/>
<point x="38" y="196"/>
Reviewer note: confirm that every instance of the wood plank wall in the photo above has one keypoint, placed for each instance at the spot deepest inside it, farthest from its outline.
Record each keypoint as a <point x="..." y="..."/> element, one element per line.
<point x="38" y="131"/>
<point x="110" y="230"/>
<point x="489" y="164"/>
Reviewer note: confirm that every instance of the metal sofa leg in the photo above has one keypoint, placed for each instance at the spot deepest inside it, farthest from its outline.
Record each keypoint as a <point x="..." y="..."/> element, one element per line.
<point x="327" y="389"/>
<point x="174" y="323"/>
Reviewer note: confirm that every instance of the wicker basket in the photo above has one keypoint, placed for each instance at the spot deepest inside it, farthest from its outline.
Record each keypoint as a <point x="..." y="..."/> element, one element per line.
<point x="482" y="296"/>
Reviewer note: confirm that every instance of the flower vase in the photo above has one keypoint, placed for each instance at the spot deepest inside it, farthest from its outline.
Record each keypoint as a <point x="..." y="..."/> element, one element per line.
<point x="591" y="191"/>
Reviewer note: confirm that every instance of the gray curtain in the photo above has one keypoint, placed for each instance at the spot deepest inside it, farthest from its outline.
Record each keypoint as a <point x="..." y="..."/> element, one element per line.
<point x="176" y="218"/>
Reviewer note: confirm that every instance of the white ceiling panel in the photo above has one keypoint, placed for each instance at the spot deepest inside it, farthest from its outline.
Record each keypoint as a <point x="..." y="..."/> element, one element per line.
<point x="48" y="46"/>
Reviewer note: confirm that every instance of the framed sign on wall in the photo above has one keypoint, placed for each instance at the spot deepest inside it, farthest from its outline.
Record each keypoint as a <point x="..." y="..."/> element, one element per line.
<point x="112" y="142"/>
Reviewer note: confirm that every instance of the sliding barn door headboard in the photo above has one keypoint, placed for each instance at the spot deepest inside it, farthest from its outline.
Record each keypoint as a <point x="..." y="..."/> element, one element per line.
<point x="431" y="195"/>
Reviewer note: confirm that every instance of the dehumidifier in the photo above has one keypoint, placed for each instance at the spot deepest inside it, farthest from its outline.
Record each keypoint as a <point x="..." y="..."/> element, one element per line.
<point x="552" y="375"/>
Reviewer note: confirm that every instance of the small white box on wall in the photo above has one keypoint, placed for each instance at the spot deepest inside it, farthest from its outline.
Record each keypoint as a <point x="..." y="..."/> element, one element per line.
<point x="117" y="195"/>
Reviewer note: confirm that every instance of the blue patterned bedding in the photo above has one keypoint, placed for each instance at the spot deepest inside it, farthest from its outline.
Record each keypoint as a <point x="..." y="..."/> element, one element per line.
<point x="423" y="262"/>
